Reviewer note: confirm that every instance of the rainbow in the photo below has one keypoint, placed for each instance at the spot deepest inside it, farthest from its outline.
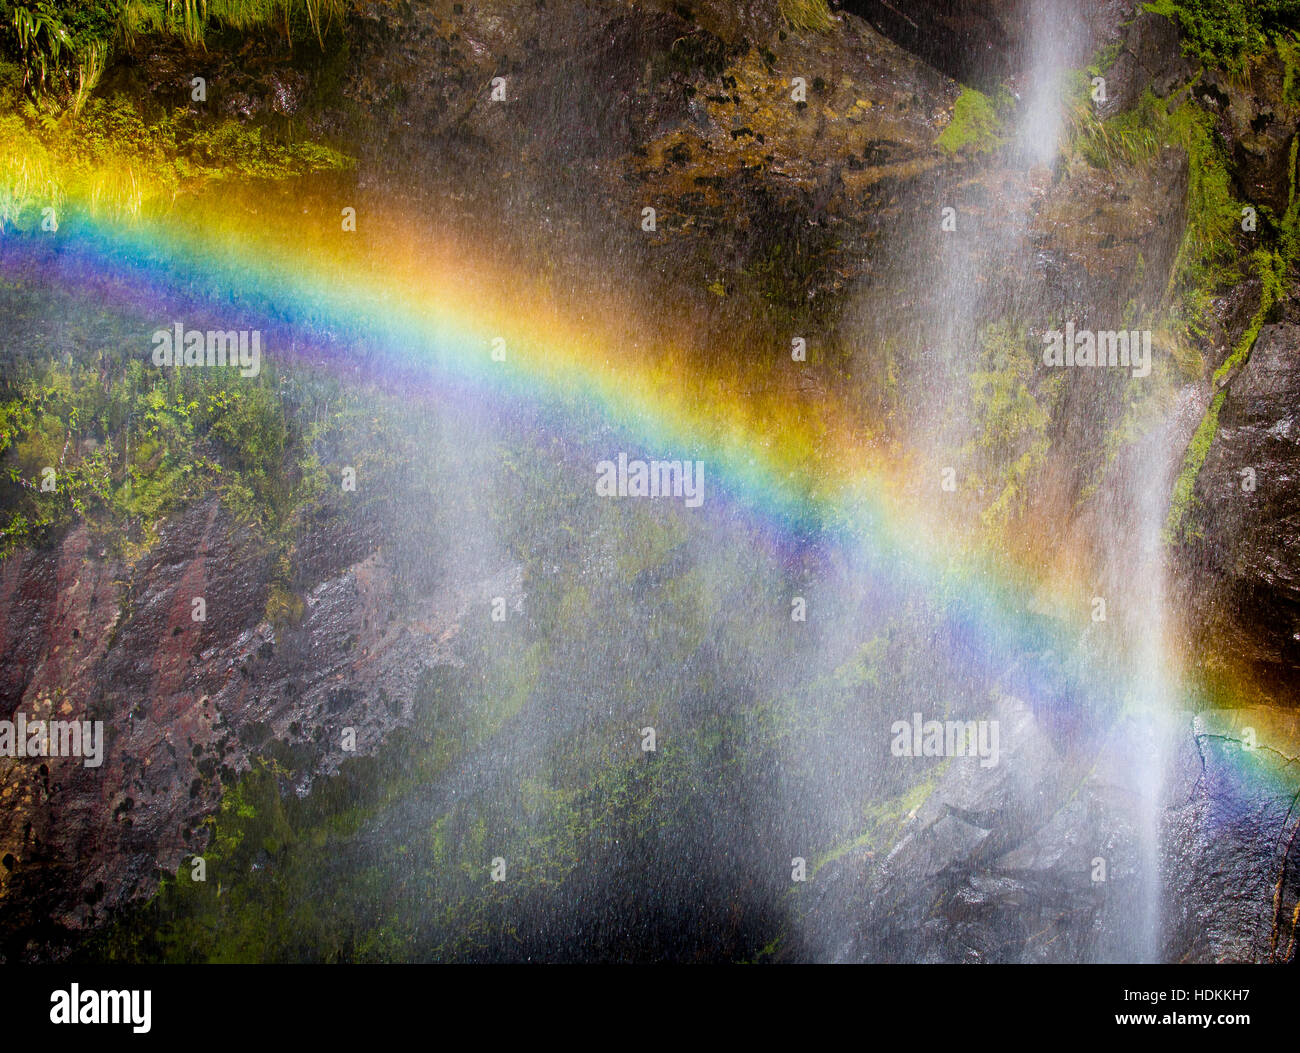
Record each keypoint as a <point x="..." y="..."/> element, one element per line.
<point x="423" y="314"/>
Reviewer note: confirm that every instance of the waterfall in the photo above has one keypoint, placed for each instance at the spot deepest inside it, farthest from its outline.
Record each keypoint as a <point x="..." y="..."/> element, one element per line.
<point x="1147" y="737"/>
<point x="1129" y="574"/>
<point x="1053" y="45"/>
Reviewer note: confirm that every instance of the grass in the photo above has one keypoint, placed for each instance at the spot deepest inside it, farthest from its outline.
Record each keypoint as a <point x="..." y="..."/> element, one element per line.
<point x="29" y="179"/>
<point x="807" y="15"/>
<point x="64" y="48"/>
<point x="108" y="159"/>
<point x="191" y="19"/>
<point x="1207" y="258"/>
<point x="1130" y="138"/>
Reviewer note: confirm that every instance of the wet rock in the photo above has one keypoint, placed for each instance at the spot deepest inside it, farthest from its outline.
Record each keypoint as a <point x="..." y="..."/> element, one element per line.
<point x="993" y="866"/>
<point x="188" y="704"/>
<point x="1243" y="564"/>
<point x="1039" y="858"/>
<point x="1232" y="858"/>
<point x="974" y="41"/>
<point x="1150" y="57"/>
<point x="1258" y="122"/>
<point x="982" y="42"/>
<point x="762" y="201"/>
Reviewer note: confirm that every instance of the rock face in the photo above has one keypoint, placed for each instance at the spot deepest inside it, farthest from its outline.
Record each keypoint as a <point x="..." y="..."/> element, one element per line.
<point x="1150" y="58"/>
<point x="1232" y="859"/>
<point x="1258" y="122"/>
<point x="1244" y="561"/>
<point x="1037" y="859"/>
<point x="187" y="704"/>
<point x="974" y="41"/>
<point x="982" y="42"/>
<point x="764" y="203"/>
<point x="985" y="870"/>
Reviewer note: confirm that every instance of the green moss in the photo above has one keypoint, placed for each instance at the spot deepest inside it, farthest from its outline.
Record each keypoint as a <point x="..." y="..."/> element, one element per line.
<point x="883" y="822"/>
<point x="1011" y="403"/>
<point x="1271" y="269"/>
<point x="975" y="127"/>
<point x="1208" y="259"/>
<point x="1223" y="33"/>
<point x="284" y="607"/>
<point x="130" y="444"/>
<point x="1289" y="242"/>
<point x="1207" y="253"/>
<point x="1184" y="487"/>
<point x="1288" y="50"/>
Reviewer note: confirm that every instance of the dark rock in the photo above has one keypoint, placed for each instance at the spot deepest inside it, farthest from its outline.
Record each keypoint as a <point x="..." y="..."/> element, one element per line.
<point x="1232" y="857"/>
<point x="1243" y="565"/>
<point x="982" y="42"/>
<point x="187" y="705"/>
<point x="1258" y="122"/>
<point x="1151" y="57"/>
<point x="974" y="41"/>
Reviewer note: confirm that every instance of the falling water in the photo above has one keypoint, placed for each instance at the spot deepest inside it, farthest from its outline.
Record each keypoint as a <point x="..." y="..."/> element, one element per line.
<point x="1134" y="573"/>
<point x="1131" y="573"/>
<point x="1053" y="40"/>
<point x="1137" y="575"/>
<point x="1151" y="684"/>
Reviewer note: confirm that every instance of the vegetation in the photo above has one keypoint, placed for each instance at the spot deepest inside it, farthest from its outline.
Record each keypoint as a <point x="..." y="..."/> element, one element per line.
<point x="1184" y="487"/>
<point x="1208" y="259"/>
<point x="110" y="440"/>
<point x="1271" y="270"/>
<point x="883" y="822"/>
<point x="107" y="158"/>
<point x="509" y="755"/>
<point x="807" y="15"/>
<point x="1212" y="256"/>
<point x="372" y="865"/>
<point x="975" y="126"/>
<point x="1132" y="137"/>
<point x="381" y="863"/>
<point x="64" y="48"/>
<point x="1289" y="242"/>
<point x="1222" y="33"/>
<point x="1011" y="416"/>
<point x="103" y="437"/>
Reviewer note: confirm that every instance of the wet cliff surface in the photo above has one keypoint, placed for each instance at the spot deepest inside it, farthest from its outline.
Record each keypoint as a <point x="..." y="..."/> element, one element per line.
<point x="774" y="216"/>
